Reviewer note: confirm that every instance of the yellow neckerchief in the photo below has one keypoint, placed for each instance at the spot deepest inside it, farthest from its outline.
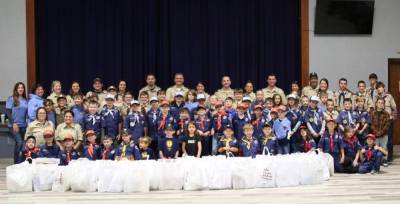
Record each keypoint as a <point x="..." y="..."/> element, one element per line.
<point x="124" y="146"/>
<point x="266" y="139"/>
<point x="227" y="143"/>
<point x="248" y="142"/>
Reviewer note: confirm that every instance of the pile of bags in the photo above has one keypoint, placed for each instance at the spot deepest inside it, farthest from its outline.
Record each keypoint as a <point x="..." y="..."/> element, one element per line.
<point x="188" y="173"/>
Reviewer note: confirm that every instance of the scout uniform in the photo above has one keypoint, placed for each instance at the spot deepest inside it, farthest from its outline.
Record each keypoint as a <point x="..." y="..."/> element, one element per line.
<point x="222" y="94"/>
<point x="151" y="91"/>
<point x="110" y="119"/>
<point x="152" y="116"/>
<point x="79" y="114"/>
<point x="169" y="147"/>
<point x="182" y="125"/>
<point x="147" y="154"/>
<point x="93" y="122"/>
<point x="175" y="108"/>
<point x="67" y="155"/>
<point x="135" y="123"/>
<point x="126" y="150"/>
<point x="251" y="95"/>
<point x="219" y="122"/>
<point x="107" y="153"/>
<point x="51" y="116"/>
<point x="258" y="124"/>
<point x="315" y="119"/>
<point x="339" y="98"/>
<point x="238" y="123"/>
<point x="348" y="118"/>
<point x="310" y="91"/>
<point x="363" y="118"/>
<point x="331" y="115"/>
<point x="351" y="146"/>
<point x="268" y="142"/>
<point x="60" y="111"/>
<point x="92" y="151"/>
<point x="28" y="154"/>
<point x="53" y="97"/>
<point x="100" y="94"/>
<point x="368" y="103"/>
<point x="171" y="92"/>
<point x="228" y="143"/>
<point x="307" y="145"/>
<point x="269" y="93"/>
<point x="249" y="147"/>
<point x="37" y="129"/>
<point x="204" y="125"/>
<point x="332" y="144"/>
<point x="372" y="159"/>
<point x="49" y="151"/>
<point x="162" y="123"/>
<point x="63" y="129"/>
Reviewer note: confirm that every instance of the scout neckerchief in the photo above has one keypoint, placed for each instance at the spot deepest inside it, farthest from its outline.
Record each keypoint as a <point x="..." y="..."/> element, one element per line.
<point x="124" y="146"/>
<point x="182" y="123"/>
<point x="342" y="94"/>
<point x="68" y="153"/>
<point x="257" y="122"/>
<point x="91" y="150"/>
<point x="106" y="151"/>
<point x="28" y="152"/>
<point x="92" y="117"/>
<point x="227" y="144"/>
<point x="369" y="153"/>
<point x="154" y="115"/>
<point x="219" y="120"/>
<point x="266" y="139"/>
<point x="291" y="110"/>
<point x="352" y="141"/>
<point x="316" y="116"/>
<point x="162" y="123"/>
<point x="109" y="112"/>
<point x="247" y="142"/>
<point x="331" y="142"/>
<point x="349" y="116"/>
<point x="202" y="123"/>
<point x="307" y="145"/>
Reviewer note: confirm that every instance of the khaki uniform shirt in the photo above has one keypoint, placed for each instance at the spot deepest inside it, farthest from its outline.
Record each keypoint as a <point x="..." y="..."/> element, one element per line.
<point x="222" y="94"/>
<point x="151" y="91"/>
<point x="36" y="129"/>
<point x="171" y="91"/>
<point x="73" y="129"/>
<point x="268" y="93"/>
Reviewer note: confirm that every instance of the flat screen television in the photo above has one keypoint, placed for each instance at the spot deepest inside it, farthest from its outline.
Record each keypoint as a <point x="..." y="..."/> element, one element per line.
<point x="344" y="17"/>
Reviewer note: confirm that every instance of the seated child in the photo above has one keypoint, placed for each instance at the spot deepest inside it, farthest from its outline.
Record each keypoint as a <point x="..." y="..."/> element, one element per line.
<point x="29" y="152"/>
<point x="67" y="153"/>
<point x="169" y="147"/>
<point x="127" y="150"/>
<point x="191" y="144"/>
<point x="371" y="156"/>
<point x="248" y="145"/>
<point x="107" y="152"/>
<point x="228" y="144"/>
<point x="268" y="140"/>
<point x="307" y="143"/>
<point x="146" y="152"/>
<point x="91" y="151"/>
<point x="332" y="143"/>
<point x="50" y="149"/>
<point x="351" y="149"/>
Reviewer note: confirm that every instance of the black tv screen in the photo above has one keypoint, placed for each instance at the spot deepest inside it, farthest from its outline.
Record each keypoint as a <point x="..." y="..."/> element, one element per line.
<point x="344" y="17"/>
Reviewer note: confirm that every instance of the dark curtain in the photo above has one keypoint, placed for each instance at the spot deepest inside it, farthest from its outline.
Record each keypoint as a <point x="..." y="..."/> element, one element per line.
<point x="204" y="39"/>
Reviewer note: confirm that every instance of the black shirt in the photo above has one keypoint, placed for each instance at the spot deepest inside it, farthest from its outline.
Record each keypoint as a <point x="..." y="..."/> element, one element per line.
<point x="191" y="145"/>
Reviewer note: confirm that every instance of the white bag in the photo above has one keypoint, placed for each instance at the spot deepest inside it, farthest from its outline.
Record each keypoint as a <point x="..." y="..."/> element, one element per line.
<point x="60" y="182"/>
<point x="243" y="173"/>
<point x="137" y="179"/>
<point x="195" y="174"/>
<point x="311" y="168"/>
<point x="219" y="172"/>
<point x="330" y="163"/>
<point x="43" y="160"/>
<point x="105" y="171"/>
<point x="43" y="176"/>
<point x="117" y="180"/>
<point x="154" y="174"/>
<point x="171" y="174"/>
<point x="19" y="177"/>
<point x="287" y="171"/>
<point x="265" y="171"/>
<point x="81" y="176"/>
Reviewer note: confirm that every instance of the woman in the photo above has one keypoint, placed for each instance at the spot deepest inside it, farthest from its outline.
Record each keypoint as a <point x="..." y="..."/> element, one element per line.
<point x="122" y="88"/>
<point x="295" y="88"/>
<point x="35" y="101"/>
<point x="55" y="92"/>
<point x="17" y="112"/>
<point x="38" y="127"/>
<point x="69" y="127"/>
<point x="75" y="90"/>
<point x="324" y="87"/>
<point x="200" y="89"/>
<point x="248" y="90"/>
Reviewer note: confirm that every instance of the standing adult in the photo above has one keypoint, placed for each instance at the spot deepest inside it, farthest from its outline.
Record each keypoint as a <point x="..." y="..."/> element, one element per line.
<point x="272" y="89"/>
<point x="98" y="90"/>
<point x="312" y="88"/>
<point x="35" y="101"/>
<point x="225" y="91"/>
<point x="178" y="87"/>
<point x="151" y="87"/>
<point x="56" y="92"/>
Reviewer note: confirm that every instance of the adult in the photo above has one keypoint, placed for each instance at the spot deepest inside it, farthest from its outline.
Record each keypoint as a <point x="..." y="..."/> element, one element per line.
<point x="35" y="101"/>
<point x="249" y="90"/>
<point x="97" y="90"/>
<point x="121" y="90"/>
<point x="342" y="94"/>
<point x="323" y="87"/>
<point x="73" y="91"/>
<point x="56" y="92"/>
<point x="201" y="89"/>
<point x="17" y="112"/>
<point x="38" y="126"/>
<point x="373" y="79"/>
<point x="178" y="87"/>
<point x="312" y="88"/>
<point x="151" y="87"/>
<point x="69" y="127"/>
<point x="272" y="89"/>
<point x="226" y="90"/>
<point x="362" y="92"/>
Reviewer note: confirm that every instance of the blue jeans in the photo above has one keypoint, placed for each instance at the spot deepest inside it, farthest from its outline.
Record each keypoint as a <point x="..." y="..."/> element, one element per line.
<point x="215" y="140"/>
<point x="19" y="141"/>
<point x="283" y="147"/>
<point x="390" y="142"/>
<point x="374" y="164"/>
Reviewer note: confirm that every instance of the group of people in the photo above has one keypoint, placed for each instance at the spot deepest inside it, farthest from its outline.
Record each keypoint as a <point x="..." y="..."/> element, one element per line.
<point x="354" y="127"/>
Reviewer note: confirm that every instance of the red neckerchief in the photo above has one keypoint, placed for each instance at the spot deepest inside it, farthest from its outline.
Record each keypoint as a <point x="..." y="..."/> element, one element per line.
<point x="91" y="150"/>
<point x="68" y="155"/>
<point x="182" y="123"/>
<point x="352" y="141"/>
<point x="162" y="123"/>
<point x="104" y="157"/>
<point x="202" y="123"/>
<point x="332" y="142"/>
<point x="28" y="152"/>
<point x="307" y="146"/>
<point x="369" y="153"/>
<point x="219" y="120"/>
<point x="256" y="122"/>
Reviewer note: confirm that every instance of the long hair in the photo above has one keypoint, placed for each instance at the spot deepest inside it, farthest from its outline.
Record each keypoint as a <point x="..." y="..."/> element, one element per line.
<point x="71" y="93"/>
<point x="196" y="133"/>
<point x="16" y="95"/>
<point x="37" y="112"/>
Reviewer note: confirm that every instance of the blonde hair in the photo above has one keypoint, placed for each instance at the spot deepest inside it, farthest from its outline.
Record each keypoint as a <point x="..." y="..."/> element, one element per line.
<point x="54" y="83"/>
<point x="248" y="126"/>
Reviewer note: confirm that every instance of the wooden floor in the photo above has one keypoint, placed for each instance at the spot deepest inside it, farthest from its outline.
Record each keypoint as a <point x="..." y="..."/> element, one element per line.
<point x="342" y="188"/>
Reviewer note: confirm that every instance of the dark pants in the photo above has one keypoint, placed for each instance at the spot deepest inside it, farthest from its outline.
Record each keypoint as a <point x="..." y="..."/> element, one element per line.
<point x="294" y="141"/>
<point x="374" y="164"/>
<point x="206" y="146"/>
<point x="336" y="162"/>
<point x="19" y="141"/>
<point x="348" y="165"/>
<point x="390" y="142"/>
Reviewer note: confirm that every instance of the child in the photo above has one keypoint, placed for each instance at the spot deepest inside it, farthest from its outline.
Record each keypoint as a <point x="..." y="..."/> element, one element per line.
<point x="177" y="104"/>
<point x="60" y="109"/>
<point x="282" y="129"/>
<point x="314" y="118"/>
<point x="330" y="113"/>
<point x="127" y="150"/>
<point x="51" y="115"/>
<point x="91" y="151"/>
<point x="228" y="144"/>
<point x="259" y="100"/>
<point x="248" y="145"/>
<point x="126" y="105"/>
<point x="351" y="149"/>
<point x="183" y="121"/>
<point x="268" y="140"/>
<point x="363" y="118"/>
<point x="111" y="118"/>
<point x="219" y="122"/>
<point x="347" y="117"/>
<point x="169" y="147"/>
<point x="135" y="122"/>
<point x="165" y="120"/>
<point x="230" y="111"/>
<point x="68" y="153"/>
<point x="191" y="103"/>
<point x="294" y="116"/>
<point x="240" y="120"/>
<point x="107" y="153"/>
<point x="238" y="95"/>
<point x="50" y="149"/>
<point x="144" y="102"/>
<point x="191" y="144"/>
<point x="307" y="143"/>
<point x="258" y="121"/>
<point x="324" y="101"/>
<point x="78" y="109"/>
<point x="203" y="125"/>
<point x="152" y="115"/>
<point x="30" y="151"/>
<point x="371" y="156"/>
<point x="268" y="107"/>
<point x="276" y="100"/>
<point x="146" y="153"/>
<point x="161" y="95"/>
<point x="332" y="143"/>
<point x="92" y="120"/>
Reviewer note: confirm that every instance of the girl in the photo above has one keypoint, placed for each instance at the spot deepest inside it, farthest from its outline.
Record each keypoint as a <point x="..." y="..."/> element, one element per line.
<point x="276" y="100"/>
<point x="55" y="92"/>
<point x="127" y="150"/>
<point x="50" y="149"/>
<point x="35" y="101"/>
<point x="307" y="143"/>
<point x="49" y="106"/>
<point x="191" y="103"/>
<point x="17" y="112"/>
<point x="332" y="143"/>
<point x="30" y="151"/>
<point x="351" y="151"/>
<point x="248" y="90"/>
<point x="191" y="145"/>
<point x="73" y="91"/>
<point x="122" y="88"/>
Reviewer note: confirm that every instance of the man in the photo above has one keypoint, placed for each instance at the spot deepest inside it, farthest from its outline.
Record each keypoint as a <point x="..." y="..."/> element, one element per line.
<point x="151" y="88"/>
<point x="312" y="88"/>
<point x="373" y="79"/>
<point x="272" y="89"/>
<point x="178" y="87"/>
<point x="341" y="94"/>
<point x="362" y="92"/>
<point x="98" y="90"/>
<point x="226" y="90"/>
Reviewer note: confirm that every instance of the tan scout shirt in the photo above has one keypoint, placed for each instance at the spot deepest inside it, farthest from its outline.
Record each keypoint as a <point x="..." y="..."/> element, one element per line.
<point x="36" y="129"/>
<point x="268" y="93"/>
<point x="222" y="94"/>
<point x="171" y="91"/>
<point x="74" y="129"/>
<point x="151" y="91"/>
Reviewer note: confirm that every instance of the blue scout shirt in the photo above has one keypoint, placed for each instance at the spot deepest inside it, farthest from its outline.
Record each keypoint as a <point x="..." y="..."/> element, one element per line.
<point x="95" y="155"/>
<point x="363" y="117"/>
<point x="49" y="151"/>
<point x="164" y="122"/>
<point x="351" y="147"/>
<point x="294" y="116"/>
<point x="147" y="154"/>
<point x="328" y="141"/>
<point x="249" y="148"/>
<point x="135" y="122"/>
<point x="110" y="119"/>
<point x="51" y="116"/>
<point x="203" y="125"/>
<point x="314" y="119"/>
<point x="169" y="147"/>
<point x="34" y="103"/>
<point x="225" y="142"/>
<point x="238" y="123"/>
<point x="19" y="113"/>
<point x="268" y="142"/>
<point x="107" y="153"/>
<point x="79" y="114"/>
<point x="27" y="153"/>
<point x="92" y="122"/>
<point x="258" y="125"/>
<point x="66" y="156"/>
<point x="281" y="128"/>
<point x="347" y="118"/>
<point x="125" y="150"/>
<point x="152" y="116"/>
<point x="224" y="121"/>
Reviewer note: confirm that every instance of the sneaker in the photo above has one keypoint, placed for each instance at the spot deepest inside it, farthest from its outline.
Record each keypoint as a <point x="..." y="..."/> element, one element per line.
<point x="373" y="171"/>
<point x="385" y="164"/>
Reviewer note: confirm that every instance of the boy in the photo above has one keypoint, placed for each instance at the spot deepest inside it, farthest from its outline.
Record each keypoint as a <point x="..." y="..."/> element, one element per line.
<point x="351" y="149"/>
<point x="315" y="119"/>
<point x="78" y="109"/>
<point x="111" y="118"/>
<point x="228" y="144"/>
<point x="324" y="99"/>
<point x="165" y="120"/>
<point x="363" y="93"/>
<point x="239" y="120"/>
<point x="107" y="153"/>
<point x="219" y="122"/>
<point x="268" y="107"/>
<point x="68" y="153"/>
<point x="183" y="121"/>
<point x="135" y="122"/>
<point x="169" y="147"/>
<point x="248" y="145"/>
<point x="331" y="113"/>
<point x="258" y="121"/>
<point x="371" y="156"/>
<point x="332" y="143"/>
<point x="30" y="151"/>
<point x="268" y="139"/>
<point x="50" y="149"/>
<point x="91" y="151"/>
<point x="146" y="153"/>
<point x="127" y="150"/>
<point x="60" y="109"/>
<point x="282" y="131"/>
<point x="203" y="125"/>
<point x="363" y="118"/>
<point x="177" y="104"/>
<point x="294" y="117"/>
<point x="230" y="111"/>
<point x="152" y="115"/>
<point x="92" y="120"/>
<point x="347" y="117"/>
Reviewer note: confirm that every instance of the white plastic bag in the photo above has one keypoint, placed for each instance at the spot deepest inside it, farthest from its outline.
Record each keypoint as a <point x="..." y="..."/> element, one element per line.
<point x="117" y="179"/>
<point x="60" y="181"/>
<point x="311" y="168"/>
<point x="154" y="174"/>
<point x="171" y="174"/>
<point x="243" y="173"/>
<point x="219" y="172"/>
<point x="265" y="171"/>
<point x="137" y="179"/>
<point x="330" y="163"/>
<point x="105" y="171"/>
<point x="43" y="176"/>
<point x="81" y="176"/>
<point x="43" y="160"/>
<point x="19" y="177"/>
<point x="195" y="174"/>
<point x="287" y="171"/>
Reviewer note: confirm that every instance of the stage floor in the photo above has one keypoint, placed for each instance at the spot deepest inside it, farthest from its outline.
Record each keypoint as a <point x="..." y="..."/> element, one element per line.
<point x="342" y="188"/>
